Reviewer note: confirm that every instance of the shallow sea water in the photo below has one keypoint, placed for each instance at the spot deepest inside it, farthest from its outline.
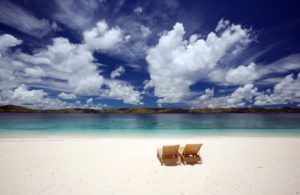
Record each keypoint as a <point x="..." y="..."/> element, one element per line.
<point x="149" y="124"/>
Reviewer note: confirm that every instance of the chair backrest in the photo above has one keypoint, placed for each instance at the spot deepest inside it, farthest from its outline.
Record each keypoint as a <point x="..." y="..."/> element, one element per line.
<point x="191" y="149"/>
<point x="170" y="150"/>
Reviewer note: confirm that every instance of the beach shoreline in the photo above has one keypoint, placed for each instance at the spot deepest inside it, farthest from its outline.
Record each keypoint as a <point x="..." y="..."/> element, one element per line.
<point x="122" y="165"/>
<point x="23" y="134"/>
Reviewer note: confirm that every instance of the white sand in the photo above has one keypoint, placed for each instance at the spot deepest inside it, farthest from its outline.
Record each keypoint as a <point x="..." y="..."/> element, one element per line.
<point x="231" y="165"/>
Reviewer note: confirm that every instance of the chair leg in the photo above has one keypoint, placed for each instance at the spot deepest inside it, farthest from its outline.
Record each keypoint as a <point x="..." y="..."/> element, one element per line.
<point x="160" y="160"/>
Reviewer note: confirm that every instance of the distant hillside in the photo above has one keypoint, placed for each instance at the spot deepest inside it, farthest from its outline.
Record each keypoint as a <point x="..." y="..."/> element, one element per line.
<point x="142" y="110"/>
<point x="75" y="110"/>
<point x="13" y="108"/>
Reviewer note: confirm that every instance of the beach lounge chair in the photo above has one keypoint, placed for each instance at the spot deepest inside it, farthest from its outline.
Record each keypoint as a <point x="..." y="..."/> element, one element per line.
<point x="168" y="155"/>
<point x="189" y="154"/>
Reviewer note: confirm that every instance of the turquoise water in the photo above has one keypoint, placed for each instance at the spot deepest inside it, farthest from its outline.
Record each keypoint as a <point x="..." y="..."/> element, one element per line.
<point x="149" y="124"/>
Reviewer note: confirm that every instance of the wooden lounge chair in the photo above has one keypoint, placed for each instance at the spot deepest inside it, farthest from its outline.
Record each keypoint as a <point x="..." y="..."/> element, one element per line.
<point x="168" y="155"/>
<point x="189" y="154"/>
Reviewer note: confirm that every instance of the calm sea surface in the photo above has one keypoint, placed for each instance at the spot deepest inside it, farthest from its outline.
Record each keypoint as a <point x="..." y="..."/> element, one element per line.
<point x="149" y="124"/>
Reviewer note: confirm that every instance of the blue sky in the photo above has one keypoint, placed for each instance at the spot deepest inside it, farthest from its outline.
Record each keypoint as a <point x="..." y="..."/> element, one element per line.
<point x="190" y="54"/>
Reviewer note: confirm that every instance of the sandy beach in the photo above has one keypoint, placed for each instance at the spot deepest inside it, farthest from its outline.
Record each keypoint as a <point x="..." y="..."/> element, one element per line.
<point x="231" y="165"/>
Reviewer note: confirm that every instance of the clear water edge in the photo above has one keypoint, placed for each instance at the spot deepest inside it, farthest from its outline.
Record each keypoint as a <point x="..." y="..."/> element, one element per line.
<point x="149" y="125"/>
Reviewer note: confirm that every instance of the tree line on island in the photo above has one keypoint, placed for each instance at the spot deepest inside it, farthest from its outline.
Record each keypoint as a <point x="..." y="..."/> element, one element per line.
<point x="145" y="110"/>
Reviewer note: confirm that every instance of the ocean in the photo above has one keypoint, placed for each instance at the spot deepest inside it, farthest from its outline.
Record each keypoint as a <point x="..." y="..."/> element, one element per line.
<point x="53" y="124"/>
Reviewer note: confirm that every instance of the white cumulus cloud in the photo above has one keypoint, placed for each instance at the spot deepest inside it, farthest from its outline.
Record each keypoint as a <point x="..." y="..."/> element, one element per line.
<point x="34" y="72"/>
<point x="103" y="38"/>
<point x="208" y="93"/>
<point x="67" y="96"/>
<point x="242" y="74"/>
<point x="7" y="41"/>
<point x="175" y="64"/>
<point x="138" y="10"/>
<point x="240" y="97"/>
<point x="64" y="67"/>
<point x="285" y="92"/>
<point x="145" y="30"/>
<point x="22" y="96"/>
<point x="71" y="63"/>
<point x="123" y="91"/>
<point x="117" y="72"/>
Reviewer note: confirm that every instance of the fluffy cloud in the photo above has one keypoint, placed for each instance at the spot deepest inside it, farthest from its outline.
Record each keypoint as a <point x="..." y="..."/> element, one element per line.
<point x="87" y="85"/>
<point x="236" y="76"/>
<point x="138" y="10"/>
<point x="258" y="73"/>
<point x="83" y="14"/>
<point x="241" y="97"/>
<point x="148" y="84"/>
<point x="7" y="41"/>
<point x="103" y="38"/>
<point x="67" y="96"/>
<point x="7" y="63"/>
<point x="175" y="64"/>
<point x="90" y="102"/>
<point x="208" y="93"/>
<point x="285" y="92"/>
<point x="32" y="98"/>
<point x="73" y="64"/>
<point x="39" y="99"/>
<point x="63" y="66"/>
<point x="145" y="31"/>
<point x="241" y="74"/>
<point x="23" y="96"/>
<point x="34" y="72"/>
<point x="91" y="105"/>
<point x="118" y="72"/>
<point x="123" y="91"/>
<point x="70" y="63"/>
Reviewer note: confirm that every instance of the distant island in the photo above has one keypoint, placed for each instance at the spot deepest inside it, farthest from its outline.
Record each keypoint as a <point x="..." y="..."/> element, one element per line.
<point x="144" y="110"/>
